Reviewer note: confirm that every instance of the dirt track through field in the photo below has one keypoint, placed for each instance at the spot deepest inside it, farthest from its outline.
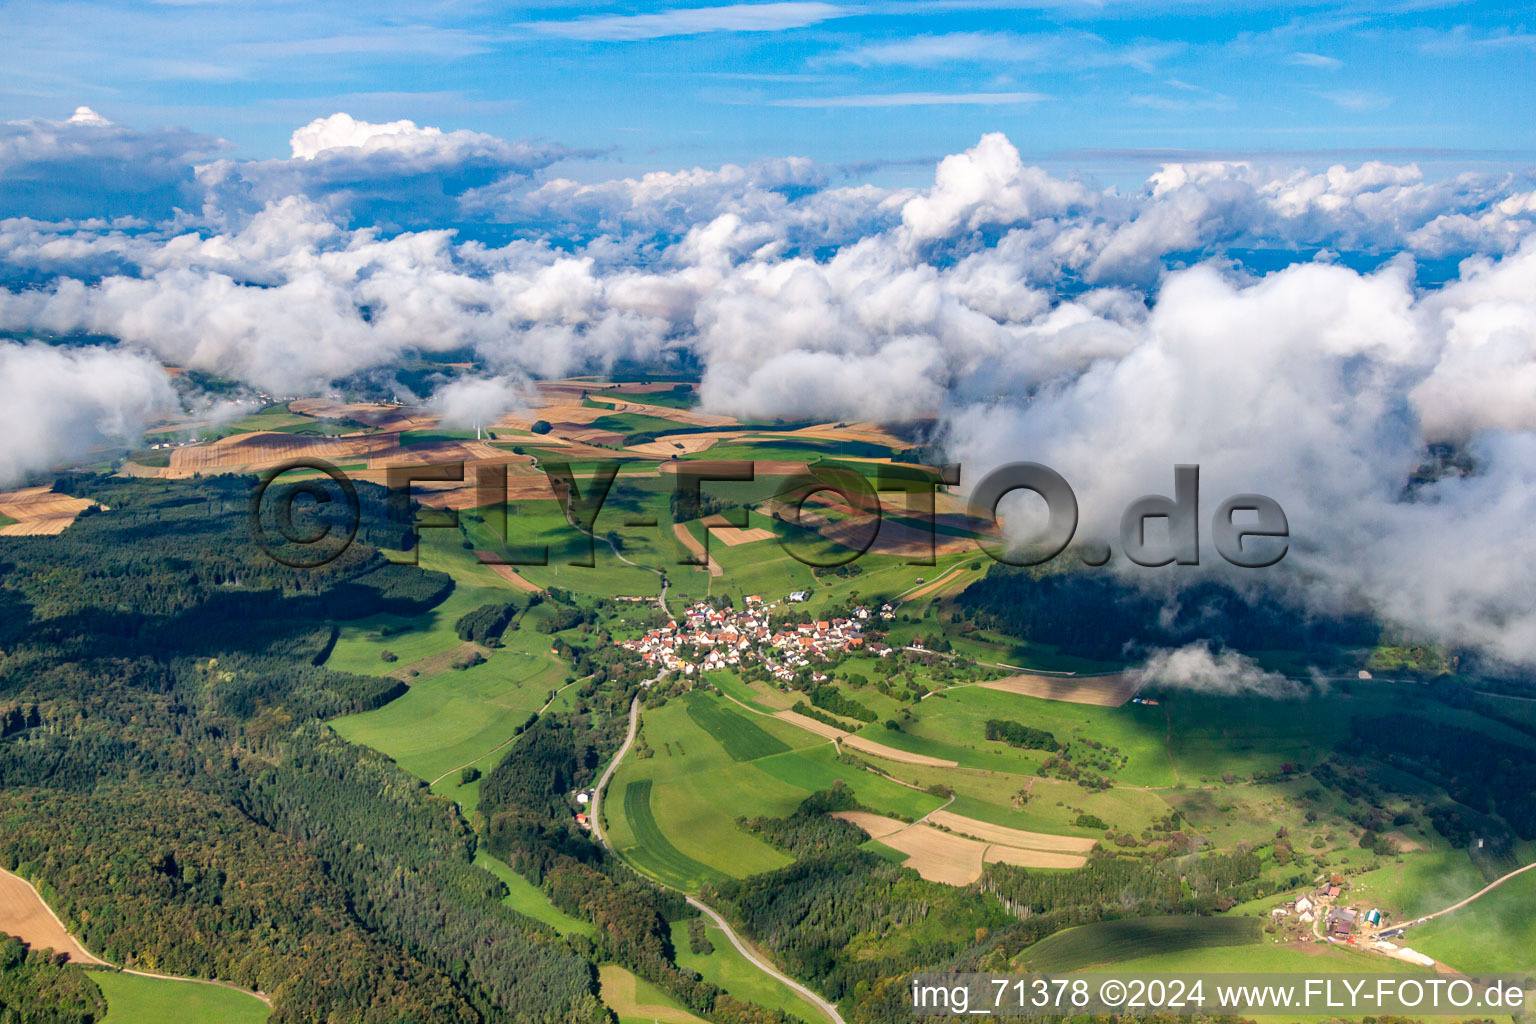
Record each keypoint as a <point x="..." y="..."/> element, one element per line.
<point x="859" y="743"/>
<point x="1101" y="691"/>
<point x="988" y="832"/>
<point x="877" y="825"/>
<point x="24" y="914"/>
<point x="680" y="530"/>
<point x="508" y="573"/>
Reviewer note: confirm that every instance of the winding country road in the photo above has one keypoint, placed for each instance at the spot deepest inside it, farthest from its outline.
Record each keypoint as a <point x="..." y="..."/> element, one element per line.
<point x="1481" y="892"/>
<point x="742" y="947"/>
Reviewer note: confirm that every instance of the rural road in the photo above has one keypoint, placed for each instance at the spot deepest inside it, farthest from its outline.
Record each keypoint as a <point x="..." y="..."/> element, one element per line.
<point x="720" y="922"/>
<point x="1481" y="892"/>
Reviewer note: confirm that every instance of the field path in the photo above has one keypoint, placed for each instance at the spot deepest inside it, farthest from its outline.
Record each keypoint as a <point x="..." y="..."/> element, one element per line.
<point x="680" y="530"/>
<point x="929" y="586"/>
<point x="1481" y="892"/>
<point x="14" y="889"/>
<point x="753" y="957"/>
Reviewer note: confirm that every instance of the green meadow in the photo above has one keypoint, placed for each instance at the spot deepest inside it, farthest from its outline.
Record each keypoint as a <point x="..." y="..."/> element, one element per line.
<point x="673" y="805"/>
<point x="458" y="716"/>
<point x="362" y="642"/>
<point x="528" y="899"/>
<point x="728" y="969"/>
<point x="132" y="999"/>
<point x="1496" y="932"/>
<point x="1110" y="942"/>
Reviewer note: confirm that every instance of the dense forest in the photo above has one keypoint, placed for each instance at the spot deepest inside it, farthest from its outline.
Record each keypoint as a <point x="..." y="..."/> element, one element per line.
<point x="1482" y="773"/>
<point x="36" y="989"/>
<point x="1096" y="615"/>
<point x="164" y="774"/>
<point x="1017" y="734"/>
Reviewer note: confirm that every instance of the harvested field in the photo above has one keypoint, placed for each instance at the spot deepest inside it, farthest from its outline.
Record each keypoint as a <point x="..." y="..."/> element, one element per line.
<point x="1101" y="691"/>
<point x="865" y="746"/>
<point x="686" y="417"/>
<point x="264" y="449"/>
<point x="861" y="744"/>
<point x="571" y="413"/>
<point x="764" y="467"/>
<point x="733" y="537"/>
<point x="1010" y="836"/>
<point x="668" y="445"/>
<point x="871" y="433"/>
<point x="524" y="483"/>
<point x="939" y="856"/>
<point x="811" y="725"/>
<point x="899" y="535"/>
<point x="508" y="573"/>
<point x="24" y="915"/>
<point x="39" y="512"/>
<point x="877" y="825"/>
<point x="680" y="530"/>
<point x="384" y="417"/>
<point x="647" y="388"/>
<point x="997" y="854"/>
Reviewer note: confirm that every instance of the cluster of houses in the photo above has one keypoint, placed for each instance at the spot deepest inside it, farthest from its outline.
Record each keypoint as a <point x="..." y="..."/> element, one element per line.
<point x="1319" y="905"/>
<point x="715" y="638"/>
<point x="1320" y="914"/>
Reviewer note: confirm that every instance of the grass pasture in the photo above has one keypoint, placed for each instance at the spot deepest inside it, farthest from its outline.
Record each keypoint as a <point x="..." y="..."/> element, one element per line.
<point x="1496" y="932"/>
<point x="673" y="813"/>
<point x="362" y="642"/>
<point x="652" y="850"/>
<point x="457" y="717"/>
<point x="132" y="999"/>
<point x="527" y="899"/>
<point x="956" y="722"/>
<point x="1111" y="942"/>
<point x="637" y="1001"/>
<point x="742" y="739"/>
<point x="733" y="972"/>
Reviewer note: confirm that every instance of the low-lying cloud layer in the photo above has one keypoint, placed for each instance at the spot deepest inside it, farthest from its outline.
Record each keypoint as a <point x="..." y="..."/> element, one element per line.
<point x="1277" y="326"/>
<point x="1199" y="668"/>
<point x="56" y="404"/>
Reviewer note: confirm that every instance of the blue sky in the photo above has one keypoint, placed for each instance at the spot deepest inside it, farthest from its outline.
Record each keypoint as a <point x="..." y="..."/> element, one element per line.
<point x="1107" y="88"/>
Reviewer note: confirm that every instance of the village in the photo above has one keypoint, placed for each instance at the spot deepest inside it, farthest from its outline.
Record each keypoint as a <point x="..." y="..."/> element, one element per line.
<point x="716" y="638"/>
